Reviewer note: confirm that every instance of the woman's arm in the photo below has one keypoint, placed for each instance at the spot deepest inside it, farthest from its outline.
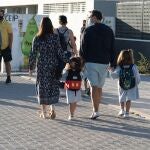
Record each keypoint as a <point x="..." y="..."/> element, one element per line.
<point x="33" y="54"/>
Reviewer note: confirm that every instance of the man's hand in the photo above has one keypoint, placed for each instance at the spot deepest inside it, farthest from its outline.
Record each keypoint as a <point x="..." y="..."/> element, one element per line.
<point x="111" y="69"/>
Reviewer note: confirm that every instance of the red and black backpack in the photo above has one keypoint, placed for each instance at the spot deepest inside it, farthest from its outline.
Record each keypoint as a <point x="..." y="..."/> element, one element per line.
<point x="73" y="80"/>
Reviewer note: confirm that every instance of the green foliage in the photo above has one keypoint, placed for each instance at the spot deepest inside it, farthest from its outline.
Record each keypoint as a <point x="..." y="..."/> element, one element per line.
<point x="143" y="64"/>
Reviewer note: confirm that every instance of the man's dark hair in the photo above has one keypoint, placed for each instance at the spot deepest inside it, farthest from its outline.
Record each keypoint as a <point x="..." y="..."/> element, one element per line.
<point x="3" y="11"/>
<point x="63" y="19"/>
<point x="97" y="14"/>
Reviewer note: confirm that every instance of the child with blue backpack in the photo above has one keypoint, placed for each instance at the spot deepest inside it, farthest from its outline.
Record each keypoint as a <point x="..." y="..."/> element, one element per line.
<point x="73" y="79"/>
<point x="128" y="80"/>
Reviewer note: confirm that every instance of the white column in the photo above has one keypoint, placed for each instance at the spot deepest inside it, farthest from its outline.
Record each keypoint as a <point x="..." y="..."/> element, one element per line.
<point x="27" y="10"/>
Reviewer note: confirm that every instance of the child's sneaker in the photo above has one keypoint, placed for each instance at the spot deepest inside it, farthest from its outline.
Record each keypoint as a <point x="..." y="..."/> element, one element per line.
<point x="70" y="117"/>
<point x="126" y="115"/>
<point x="121" y="113"/>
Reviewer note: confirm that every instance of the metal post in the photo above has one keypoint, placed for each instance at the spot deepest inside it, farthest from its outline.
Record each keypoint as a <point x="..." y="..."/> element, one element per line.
<point x="142" y="19"/>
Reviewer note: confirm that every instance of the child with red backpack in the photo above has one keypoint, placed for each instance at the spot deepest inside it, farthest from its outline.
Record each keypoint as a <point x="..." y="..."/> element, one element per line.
<point x="73" y="78"/>
<point x="128" y="80"/>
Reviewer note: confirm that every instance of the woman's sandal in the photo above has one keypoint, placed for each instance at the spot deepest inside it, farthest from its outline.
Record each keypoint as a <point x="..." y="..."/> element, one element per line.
<point x="52" y="114"/>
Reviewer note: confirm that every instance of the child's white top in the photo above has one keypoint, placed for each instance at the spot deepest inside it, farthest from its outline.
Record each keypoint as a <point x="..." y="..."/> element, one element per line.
<point x="71" y="96"/>
<point x="131" y="94"/>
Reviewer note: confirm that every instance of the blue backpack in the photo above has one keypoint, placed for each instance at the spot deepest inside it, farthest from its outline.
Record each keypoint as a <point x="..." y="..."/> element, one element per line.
<point x="126" y="77"/>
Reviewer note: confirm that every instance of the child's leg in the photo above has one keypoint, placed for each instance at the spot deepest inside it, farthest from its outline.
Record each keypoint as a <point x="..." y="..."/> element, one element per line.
<point x="122" y="105"/>
<point x="128" y="105"/>
<point x="121" y="112"/>
<point x="72" y="108"/>
<point x="85" y="83"/>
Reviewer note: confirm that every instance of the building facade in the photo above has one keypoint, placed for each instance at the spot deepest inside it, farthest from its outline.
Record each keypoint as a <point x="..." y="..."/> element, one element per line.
<point x="132" y="17"/>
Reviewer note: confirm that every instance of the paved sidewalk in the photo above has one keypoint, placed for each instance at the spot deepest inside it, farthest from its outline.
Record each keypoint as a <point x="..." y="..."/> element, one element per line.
<point x="22" y="129"/>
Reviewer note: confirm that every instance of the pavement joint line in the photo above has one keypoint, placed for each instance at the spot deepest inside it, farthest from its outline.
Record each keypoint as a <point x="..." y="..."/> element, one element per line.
<point x="135" y="112"/>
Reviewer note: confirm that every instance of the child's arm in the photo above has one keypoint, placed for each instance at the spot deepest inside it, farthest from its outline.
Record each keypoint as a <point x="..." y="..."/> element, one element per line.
<point x="64" y="75"/>
<point x="115" y="74"/>
<point x="137" y="75"/>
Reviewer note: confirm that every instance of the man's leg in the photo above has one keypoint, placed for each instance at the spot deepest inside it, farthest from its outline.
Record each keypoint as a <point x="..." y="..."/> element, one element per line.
<point x="8" y="71"/>
<point x="96" y="94"/>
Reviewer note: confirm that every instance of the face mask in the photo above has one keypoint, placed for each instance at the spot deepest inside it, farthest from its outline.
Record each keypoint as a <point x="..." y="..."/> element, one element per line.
<point x="90" y="22"/>
<point x="1" y="17"/>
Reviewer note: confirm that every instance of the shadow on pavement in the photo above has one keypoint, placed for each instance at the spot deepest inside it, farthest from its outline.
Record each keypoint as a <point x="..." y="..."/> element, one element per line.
<point x="110" y="127"/>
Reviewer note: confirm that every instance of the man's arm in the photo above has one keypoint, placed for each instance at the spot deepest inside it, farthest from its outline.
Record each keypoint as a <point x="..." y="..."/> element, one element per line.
<point x="10" y="35"/>
<point x="83" y="46"/>
<point x="113" y="52"/>
<point x="10" y="38"/>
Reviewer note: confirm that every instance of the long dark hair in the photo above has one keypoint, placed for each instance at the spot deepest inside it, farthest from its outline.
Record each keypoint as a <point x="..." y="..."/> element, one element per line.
<point x="46" y="27"/>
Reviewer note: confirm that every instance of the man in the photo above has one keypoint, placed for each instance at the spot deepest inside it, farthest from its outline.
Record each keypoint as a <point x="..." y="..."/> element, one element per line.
<point x="83" y="27"/>
<point x="6" y="38"/>
<point x="68" y="34"/>
<point x="97" y="51"/>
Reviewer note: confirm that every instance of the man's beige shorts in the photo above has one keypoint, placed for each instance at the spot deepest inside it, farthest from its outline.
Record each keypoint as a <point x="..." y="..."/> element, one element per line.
<point x="96" y="73"/>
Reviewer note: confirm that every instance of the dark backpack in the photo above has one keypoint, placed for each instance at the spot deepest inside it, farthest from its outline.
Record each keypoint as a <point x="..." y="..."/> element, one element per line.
<point x="73" y="80"/>
<point x="67" y="54"/>
<point x="126" y="77"/>
<point x="63" y="41"/>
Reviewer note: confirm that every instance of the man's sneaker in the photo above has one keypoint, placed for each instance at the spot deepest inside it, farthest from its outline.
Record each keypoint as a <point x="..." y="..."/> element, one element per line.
<point x="126" y="115"/>
<point x="8" y="80"/>
<point x="94" y="115"/>
<point x="121" y="113"/>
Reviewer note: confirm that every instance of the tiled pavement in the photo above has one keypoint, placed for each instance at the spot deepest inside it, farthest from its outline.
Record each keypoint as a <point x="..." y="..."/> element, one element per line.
<point x="22" y="129"/>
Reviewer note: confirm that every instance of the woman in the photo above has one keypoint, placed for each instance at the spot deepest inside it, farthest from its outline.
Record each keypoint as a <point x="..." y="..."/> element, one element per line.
<point x="47" y="51"/>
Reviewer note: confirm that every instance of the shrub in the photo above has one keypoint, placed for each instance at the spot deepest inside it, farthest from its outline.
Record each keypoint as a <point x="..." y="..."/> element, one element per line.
<point x="143" y="64"/>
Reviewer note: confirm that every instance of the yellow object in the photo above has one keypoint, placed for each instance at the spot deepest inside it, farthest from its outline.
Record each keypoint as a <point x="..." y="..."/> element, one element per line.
<point x="5" y="30"/>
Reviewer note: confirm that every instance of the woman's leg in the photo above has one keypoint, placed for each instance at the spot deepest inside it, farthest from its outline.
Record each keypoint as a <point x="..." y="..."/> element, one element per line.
<point x="52" y="112"/>
<point x="43" y="111"/>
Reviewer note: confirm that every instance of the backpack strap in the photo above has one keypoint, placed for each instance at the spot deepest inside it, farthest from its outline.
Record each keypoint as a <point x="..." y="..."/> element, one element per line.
<point x="62" y="32"/>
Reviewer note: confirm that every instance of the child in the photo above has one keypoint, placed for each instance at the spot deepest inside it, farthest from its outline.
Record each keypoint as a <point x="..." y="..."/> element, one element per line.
<point x="72" y="75"/>
<point x="129" y="79"/>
